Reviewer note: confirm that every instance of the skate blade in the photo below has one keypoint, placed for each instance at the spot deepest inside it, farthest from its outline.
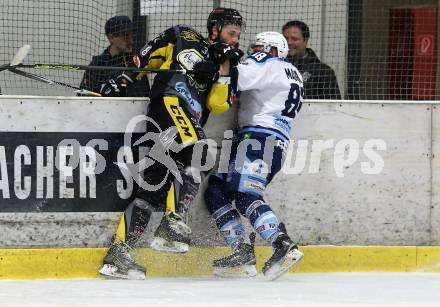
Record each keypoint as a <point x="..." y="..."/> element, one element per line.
<point x="162" y="245"/>
<point x="244" y="271"/>
<point x="111" y="272"/>
<point x="283" y="266"/>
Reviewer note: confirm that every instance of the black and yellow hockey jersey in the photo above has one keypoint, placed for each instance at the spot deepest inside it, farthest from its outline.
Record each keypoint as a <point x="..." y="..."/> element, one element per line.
<point x="179" y="47"/>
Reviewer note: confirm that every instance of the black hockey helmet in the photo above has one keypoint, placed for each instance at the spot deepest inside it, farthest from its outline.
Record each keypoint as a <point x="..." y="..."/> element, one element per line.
<point x="222" y="16"/>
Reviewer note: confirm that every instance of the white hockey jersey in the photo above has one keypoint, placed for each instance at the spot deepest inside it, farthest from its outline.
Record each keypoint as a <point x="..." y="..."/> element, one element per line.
<point x="271" y="92"/>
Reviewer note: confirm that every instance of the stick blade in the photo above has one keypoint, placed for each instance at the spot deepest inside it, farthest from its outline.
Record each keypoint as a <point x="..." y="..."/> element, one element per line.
<point x="20" y="55"/>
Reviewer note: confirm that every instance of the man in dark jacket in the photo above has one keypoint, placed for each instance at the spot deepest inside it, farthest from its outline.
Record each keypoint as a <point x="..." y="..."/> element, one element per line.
<point x="119" y="32"/>
<point x="319" y="79"/>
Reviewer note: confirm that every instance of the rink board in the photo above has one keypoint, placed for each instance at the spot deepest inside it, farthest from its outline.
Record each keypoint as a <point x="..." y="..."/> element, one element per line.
<point x="389" y="214"/>
<point x="35" y="135"/>
<point x="85" y="262"/>
<point x="320" y="199"/>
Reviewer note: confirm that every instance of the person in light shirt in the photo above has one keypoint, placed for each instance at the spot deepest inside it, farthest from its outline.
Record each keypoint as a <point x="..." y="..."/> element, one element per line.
<point x="270" y="92"/>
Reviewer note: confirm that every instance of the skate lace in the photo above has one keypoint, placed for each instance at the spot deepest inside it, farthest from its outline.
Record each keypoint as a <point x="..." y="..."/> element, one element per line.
<point x="244" y="249"/>
<point x="125" y="253"/>
<point x="239" y="255"/>
<point x="178" y="225"/>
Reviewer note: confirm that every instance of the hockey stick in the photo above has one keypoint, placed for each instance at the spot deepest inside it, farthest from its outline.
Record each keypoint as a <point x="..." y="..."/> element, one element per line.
<point x="112" y="68"/>
<point x="18" y="57"/>
<point x="52" y="82"/>
<point x="24" y="50"/>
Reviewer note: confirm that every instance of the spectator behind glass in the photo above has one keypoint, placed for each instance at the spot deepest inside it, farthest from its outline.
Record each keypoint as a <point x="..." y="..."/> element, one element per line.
<point x="119" y="32"/>
<point x="319" y="79"/>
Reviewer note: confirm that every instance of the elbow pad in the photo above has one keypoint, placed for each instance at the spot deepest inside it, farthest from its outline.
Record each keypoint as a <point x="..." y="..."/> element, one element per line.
<point x="221" y="96"/>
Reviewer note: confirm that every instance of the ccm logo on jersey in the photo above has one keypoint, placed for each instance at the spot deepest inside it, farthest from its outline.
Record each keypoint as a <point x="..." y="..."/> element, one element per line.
<point x="182" y="122"/>
<point x="189" y="57"/>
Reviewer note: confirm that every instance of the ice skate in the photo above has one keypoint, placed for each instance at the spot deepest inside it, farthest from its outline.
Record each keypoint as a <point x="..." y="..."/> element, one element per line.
<point x="119" y="264"/>
<point x="172" y="235"/>
<point x="241" y="263"/>
<point x="285" y="255"/>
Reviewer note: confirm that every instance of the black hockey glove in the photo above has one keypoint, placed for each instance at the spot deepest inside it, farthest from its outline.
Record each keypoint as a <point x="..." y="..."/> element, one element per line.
<point x="205" y="72"/>
<point x="117" y="87"/>
<point x="220" y="52"/>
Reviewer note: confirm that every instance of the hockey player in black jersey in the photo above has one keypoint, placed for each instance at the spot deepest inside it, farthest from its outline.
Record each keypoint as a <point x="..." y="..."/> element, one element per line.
<point x="181" y="103"/>
<point x="224" y="28"/>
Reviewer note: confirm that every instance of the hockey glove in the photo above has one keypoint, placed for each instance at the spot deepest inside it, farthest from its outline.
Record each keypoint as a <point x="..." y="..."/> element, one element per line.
<point x="205" y="72"/>
<point x="220" y="52"/>
<point x="117" y="86"/>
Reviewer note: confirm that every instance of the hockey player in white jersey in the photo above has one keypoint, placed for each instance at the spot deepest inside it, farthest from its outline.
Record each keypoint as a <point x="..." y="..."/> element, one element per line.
<point x="270" y="92"/>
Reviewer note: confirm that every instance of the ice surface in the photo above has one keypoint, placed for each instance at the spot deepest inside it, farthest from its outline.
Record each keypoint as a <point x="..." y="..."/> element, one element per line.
<point x="302" y="290"/>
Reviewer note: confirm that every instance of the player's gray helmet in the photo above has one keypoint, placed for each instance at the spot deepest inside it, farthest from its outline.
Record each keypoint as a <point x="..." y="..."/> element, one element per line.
<point x="222" y="16"/>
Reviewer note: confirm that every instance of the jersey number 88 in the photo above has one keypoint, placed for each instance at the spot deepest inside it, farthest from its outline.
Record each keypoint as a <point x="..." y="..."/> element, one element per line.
<point x="294" y="101"/>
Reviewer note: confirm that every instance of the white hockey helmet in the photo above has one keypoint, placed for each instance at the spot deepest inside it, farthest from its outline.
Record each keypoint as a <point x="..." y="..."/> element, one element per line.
<point x="269" y="40"/>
